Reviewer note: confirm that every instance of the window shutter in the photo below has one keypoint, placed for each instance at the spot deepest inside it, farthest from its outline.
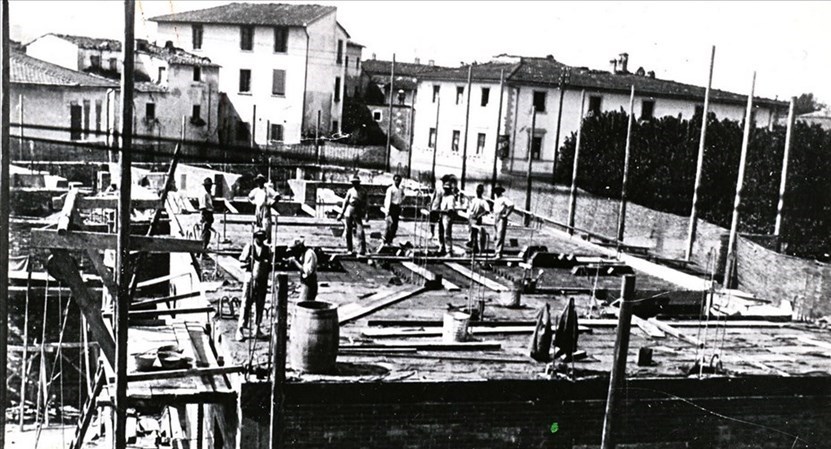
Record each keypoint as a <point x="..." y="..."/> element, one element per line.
<point x="278" y="82"/>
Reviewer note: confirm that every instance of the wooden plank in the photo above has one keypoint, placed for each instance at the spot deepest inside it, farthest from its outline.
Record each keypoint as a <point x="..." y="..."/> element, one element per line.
<point x="68" y="216"/>
<point x="103" y="271"/>
<point x="478" y="278"/>
<point x="673" y="331"/>
<point x="231" y="266"/>
<point x="230" y="207"/>
<point x="88" y="411"/>
<point x="82" y="241"/>
<point x="431" y="279"/>
<point x="814" y="342"/>
<point x="165" y="299"/>
<point x="161" y="279"/>
<point x="174" y="311"/>
<point x="650" y="329"/>
<point x="105" y="202"/>
<point x="431" y="346"/>
<point x="437" y="331"/>
<point x="354" y="311"/>
<point x="181" y="373"/>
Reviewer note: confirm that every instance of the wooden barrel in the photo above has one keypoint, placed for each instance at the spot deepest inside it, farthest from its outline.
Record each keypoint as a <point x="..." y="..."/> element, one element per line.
<point x="314" y="338"/>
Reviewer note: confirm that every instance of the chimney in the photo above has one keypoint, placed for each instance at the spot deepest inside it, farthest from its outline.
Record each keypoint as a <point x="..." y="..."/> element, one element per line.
<point x="418" y="60"/>
<point x="373" y="56"/>
<point x="431" y="62"/>
<point x="640" y="71"/>
<point x="549" y="57"/>
<point x="624" y="63"/>
<point x="613" y="65"/>
<point x="651" y="74"/>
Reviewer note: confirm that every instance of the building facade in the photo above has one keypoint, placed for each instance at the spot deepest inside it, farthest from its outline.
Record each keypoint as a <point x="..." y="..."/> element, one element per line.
<point x="283" y="65"/>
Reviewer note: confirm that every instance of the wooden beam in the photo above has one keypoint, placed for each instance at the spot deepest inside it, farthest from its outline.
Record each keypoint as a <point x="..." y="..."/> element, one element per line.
<point x="165" y="299"/>
<point x="431" y="346"/>
<point x="152" y="313"/>
<point x="88" y="411"/>
<point x="63" y="267"/>
<point x="431" y="280"/>
<point x="105" y="202"/>
<point x="437" y="331"/>
<point x="103" y="271"/>
<point x="180" y="373"/>
<point x="161" y="279"/>
<point x="478" y="278"/>
<point x="82" y="241"/>
<point x="68" y="215"/>
<point x="674" y="332"/>
<point x="354" y="311"/>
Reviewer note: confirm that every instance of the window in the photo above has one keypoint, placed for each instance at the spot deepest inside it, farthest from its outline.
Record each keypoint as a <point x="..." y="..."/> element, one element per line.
<point x="98" y="115"/>
<point x="455" y="143"/>
<point x="539" y="101"/>
<point x="244" y="80"/>
<point x="242" y="130"/>
<point x="162" y="72"/>
<point x="197" y="73"/>
<point x="74" y="122"/>
<point x="647" y="109"/>
<point x="436" y="89"/>
<point x="337" y="89"/>
<point x="595" y="103"/>
<point x="346" y="62"/>
<point x="431" y="138"/>
<point x="113" y="64"/>
<point x="536" y="147"/>
<point x="246" y="38"/>
<point x="276" y="132"/>
<point x="486" y="93"/>
<point x="335" y="126"/>
<point x="150" y="111"/>
<point x="480" y="143"/>
<point x="401" y="97"/>
<point x="377" y="116"/>
<point x="358" y="63"/>
<point x="197" y="112"/>
<point x="460" y="92"/>
<point x="196" y="37"/>
<point x="86" y="118"/>
<point x="340" y="51"/>
<point x="281" y="39"/>
<point x="95" y="61"/>
<point x="278" y="82"/>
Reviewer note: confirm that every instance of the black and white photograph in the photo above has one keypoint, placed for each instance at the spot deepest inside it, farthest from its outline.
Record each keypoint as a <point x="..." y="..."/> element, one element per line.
<point x="415" y="224"/>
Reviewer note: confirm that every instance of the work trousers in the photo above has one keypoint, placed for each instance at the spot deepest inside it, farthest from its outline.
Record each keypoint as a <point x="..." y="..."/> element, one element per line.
<point x="500" y="227"/>
<point x="353" y="223"/>
<point x="308" y="288"/>
<point x="262" y="218"/>
<point x="478" y="237"/>
<point x="446" y="234"/>
<point x="393" y="216"/>
<point x="254" y="294"/>
<point x="206" y="222"/>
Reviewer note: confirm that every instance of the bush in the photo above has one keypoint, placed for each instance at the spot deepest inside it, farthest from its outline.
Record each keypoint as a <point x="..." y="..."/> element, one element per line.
<point x="359" y="124"/>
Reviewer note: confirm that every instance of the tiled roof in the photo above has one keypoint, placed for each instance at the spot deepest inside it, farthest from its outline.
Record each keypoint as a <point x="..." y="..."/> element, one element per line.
<point x="377" y="66"/>
<point x="267" y="14"/>
<point x="173" y="55"/>
<point x="28" y="70"/>
<point x="546" y="71"/>
<point x="822" y="113"/>
<point x="91" y="43"/>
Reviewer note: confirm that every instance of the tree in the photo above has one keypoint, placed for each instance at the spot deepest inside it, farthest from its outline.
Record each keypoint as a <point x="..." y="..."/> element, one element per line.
<point x="806" y="103"/>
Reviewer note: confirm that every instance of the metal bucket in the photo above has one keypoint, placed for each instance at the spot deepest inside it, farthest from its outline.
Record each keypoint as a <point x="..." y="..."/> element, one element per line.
<point x="314" y="339"/>
<point x="455" y="326"/>
<point x="511" y="297"/>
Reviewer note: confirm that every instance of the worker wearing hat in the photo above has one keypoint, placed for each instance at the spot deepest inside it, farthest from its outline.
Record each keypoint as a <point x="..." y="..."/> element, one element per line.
<point x="305" y="260"/>
<point x="353" y="212"/>
<point x="450" y="201"/>
<point x="502" y="208"/>
<point x="256" y="261"/>
<point x="392" y="204"/>
<point x="206" y="208"/>
<point x="264" y="198"/>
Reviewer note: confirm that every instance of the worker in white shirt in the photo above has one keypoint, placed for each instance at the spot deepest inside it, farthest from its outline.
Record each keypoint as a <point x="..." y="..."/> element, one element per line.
<point x="502" y="208"/>
<point x="477" y="208"/>
<point x="305" y="260"/>
<point x="206" y="208"/>
<point x="256" y="261"/>
<point x="264" y="198"/>
<point x="450" y="201"/>
<point x="392" y="205"/>
<point x="353" y="212"/>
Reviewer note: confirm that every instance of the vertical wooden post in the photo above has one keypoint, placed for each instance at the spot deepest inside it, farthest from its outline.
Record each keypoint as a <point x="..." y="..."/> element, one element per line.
<point x="25" y="359"/>
<point x="412" y="123"/>
<point x="699" y="166"/>
<point x="621" y="219"/>
<point x="498" y="128"/>
<point x="564" y="79"/>
<point x="572" y="197"/>
<point x="5" y="209"/>
<point x="435" y="143"/>
<point x="389" y="114"/>
<point x="253" y="126"/>
<point x="278" y="366"/>
<point x="467" y="125"/>
<point x="317" y="139"/>
<point x="617" y="378"/>
<point x="122" y="304"/>
<point x="777" y="229"/>
<point x="734" y="223"/>
<point x="529" y="173"/>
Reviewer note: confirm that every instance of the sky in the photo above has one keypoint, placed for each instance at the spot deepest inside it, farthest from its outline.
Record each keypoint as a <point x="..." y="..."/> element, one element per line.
<point x="788" y="44"/>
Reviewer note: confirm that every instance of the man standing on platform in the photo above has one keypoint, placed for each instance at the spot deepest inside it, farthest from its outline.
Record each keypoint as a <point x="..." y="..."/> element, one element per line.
<point x="263" y="197"/>
<point x="477" y="209"/>
<point x="353" y="212"/>
<point x="256" y="260"/>
<point x="447" y="210"/>
<point x="305" y="260"/>
<point x="206" y="208"/>
<point x="392" y="205"/>
<point x="502" y="208"/>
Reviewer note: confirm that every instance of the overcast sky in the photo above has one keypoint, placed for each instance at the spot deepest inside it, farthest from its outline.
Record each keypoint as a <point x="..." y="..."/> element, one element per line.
<point x="788" y="43"/>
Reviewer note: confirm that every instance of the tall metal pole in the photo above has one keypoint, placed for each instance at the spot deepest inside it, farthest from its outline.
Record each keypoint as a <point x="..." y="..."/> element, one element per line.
<point x="699" y="166"/>
<point x="777" y="229"/>
<point x="435" y="143"/>
<point x="467" y="124"/>
<point x="734" y="224"/>
<point x="529" y="173"/>
<point x="621" y="219"/>
<point x="122" y="305"/>
<point x="572" y="197"/>
<point x="498" y="127"/>
<point x="5" y="210"/>
<point x="278" y="366"/>
<point x="389" y="114"/>
<point x="564" y="78"/>
<point x="617" y="379"/>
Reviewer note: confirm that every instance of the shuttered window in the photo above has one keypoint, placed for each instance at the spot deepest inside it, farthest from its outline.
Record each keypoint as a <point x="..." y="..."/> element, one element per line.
<point x="278" y="82"/>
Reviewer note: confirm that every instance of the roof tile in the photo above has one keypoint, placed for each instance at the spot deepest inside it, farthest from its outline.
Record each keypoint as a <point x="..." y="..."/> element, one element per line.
<point x="28" y="70"/>
<point x="267" y="14"/>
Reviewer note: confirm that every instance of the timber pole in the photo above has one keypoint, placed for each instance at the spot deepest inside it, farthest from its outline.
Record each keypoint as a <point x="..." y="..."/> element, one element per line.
<point x="734" y="223"/>
<point x="621" y="219"/>
<point x="617" y="379"/>
<point x="122" y="304"/>
<point x="564" y="78"/>
<point x="498" y="128"/>
<point x="529" y="173"/>
<point x="278" y="366"/>
<point x="412" y="123"/>
<point x="389" y="115"/>
<point x="5" y="210"/>
<point x="572" y="197"/>
<point x="317" y="139"/>
<point x="699" y="166"/>
<point x="435" y="144"/>
<point x="253" y="126"/>
<point x="777" y="229"/>
<point x="467" y="124"/>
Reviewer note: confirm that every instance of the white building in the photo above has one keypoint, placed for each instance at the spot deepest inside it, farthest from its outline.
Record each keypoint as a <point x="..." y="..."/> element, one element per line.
<point x="283" y="65"/>
<point x="534" y="83"/>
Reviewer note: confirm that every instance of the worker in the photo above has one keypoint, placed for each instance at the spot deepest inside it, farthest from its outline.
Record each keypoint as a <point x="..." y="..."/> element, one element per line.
<point x="264" y="198"/>
<point x="447" y="211"/>
<point x="256" y="260"/>
<point x="502" y="208"/>
<point x="392" y="205"/>
<point x="305" y="260"/>
<point x="477" y="208"/>
<point x="435" y="216"/>
<point x="206" y="208"/>
<point x="353" y="212"/>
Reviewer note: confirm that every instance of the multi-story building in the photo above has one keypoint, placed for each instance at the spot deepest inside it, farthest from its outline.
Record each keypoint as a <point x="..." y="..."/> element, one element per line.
<point x="353" y="65"/>
<point x="283" y="65"/>
<point x="533" y="84"/>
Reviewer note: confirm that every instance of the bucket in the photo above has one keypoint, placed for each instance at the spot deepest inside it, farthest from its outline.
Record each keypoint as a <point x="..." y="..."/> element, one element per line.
<point x="314" y="337"/>
<point x="510" y="297"/>
<point x="455" y="326"/>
